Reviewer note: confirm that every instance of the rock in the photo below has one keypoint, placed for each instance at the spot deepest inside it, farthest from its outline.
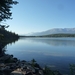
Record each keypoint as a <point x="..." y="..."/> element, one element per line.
<point x="17" y="72"/>
<point x="29" y="73"/>
<point x="14" y="66"/>
<point x="7" y="71"/>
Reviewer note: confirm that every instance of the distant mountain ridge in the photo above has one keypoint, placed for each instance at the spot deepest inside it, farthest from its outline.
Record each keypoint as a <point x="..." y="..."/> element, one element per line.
<point x="55" y="31"/>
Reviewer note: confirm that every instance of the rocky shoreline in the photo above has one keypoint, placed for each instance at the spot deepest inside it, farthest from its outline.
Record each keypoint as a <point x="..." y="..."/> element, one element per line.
<point x="13" y="66"/>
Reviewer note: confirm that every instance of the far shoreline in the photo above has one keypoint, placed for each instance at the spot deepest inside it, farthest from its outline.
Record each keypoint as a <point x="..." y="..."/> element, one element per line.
<point x="50" y="35"/>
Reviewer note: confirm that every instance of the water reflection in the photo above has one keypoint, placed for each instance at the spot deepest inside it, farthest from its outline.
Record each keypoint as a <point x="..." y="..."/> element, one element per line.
<point x="54" y="41"/>
<point x="62" y="47"/>
<point x="4" y="43"/>
<point x="57" y="53"/>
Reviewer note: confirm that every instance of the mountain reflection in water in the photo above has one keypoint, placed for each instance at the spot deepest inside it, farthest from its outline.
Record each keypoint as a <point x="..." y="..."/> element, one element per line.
<point x="55" y="41"/>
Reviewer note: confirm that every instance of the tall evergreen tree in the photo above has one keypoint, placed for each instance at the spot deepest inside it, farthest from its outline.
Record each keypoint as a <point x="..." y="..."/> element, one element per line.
<point x="5" y="9"/>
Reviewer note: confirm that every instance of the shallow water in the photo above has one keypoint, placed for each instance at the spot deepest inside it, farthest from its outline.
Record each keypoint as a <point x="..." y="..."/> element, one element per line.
<point x="57" y="53"/>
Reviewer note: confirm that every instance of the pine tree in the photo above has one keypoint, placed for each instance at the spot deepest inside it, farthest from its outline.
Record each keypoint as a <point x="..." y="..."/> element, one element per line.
<point x="5" y="9"/>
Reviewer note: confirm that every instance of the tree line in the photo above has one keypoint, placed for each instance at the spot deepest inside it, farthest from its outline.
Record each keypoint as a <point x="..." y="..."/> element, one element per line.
<point x="58" y="35"/>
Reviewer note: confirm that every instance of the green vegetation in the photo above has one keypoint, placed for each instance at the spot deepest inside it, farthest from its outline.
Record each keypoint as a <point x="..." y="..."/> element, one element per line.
<point x="4" y="34"/>
<point x="59" y="35"/>
<point x="33" y="62"/>
<point x="53" y="35"/>
<point x="5" y="9"/>
<point x="6" y="37"/>
<point x="72" y="69"/>
<point x="47" y="71"/>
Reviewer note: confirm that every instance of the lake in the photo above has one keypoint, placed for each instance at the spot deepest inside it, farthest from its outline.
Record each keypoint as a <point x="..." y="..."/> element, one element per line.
<point x="57" y="53"/>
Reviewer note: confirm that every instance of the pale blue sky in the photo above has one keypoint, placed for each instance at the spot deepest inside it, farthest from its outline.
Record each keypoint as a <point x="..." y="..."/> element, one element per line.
<point x="40" y="15"/>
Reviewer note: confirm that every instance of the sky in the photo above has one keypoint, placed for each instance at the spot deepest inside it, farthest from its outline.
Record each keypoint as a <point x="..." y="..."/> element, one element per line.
<point x="40" y="15"/>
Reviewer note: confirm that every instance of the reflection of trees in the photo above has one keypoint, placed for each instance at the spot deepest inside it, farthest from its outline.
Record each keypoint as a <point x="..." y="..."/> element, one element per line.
<point x="6" y="37"/>
<point x="4" y="42"/>
<point x="55" y="41"/>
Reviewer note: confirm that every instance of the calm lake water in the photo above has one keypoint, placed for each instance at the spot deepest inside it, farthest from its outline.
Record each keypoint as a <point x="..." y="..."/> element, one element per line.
<point x="57" y="53"/>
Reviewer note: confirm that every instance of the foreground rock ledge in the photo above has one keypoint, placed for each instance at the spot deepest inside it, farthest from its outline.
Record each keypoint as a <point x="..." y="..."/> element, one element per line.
<point x="13" y="66"/>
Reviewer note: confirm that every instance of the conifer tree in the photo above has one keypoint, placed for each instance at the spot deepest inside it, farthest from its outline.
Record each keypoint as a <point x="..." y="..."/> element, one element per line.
<point x="5" y="9"/>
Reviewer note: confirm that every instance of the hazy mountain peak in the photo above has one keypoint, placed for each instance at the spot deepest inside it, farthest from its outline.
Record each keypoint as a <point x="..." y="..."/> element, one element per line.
<point x="56" y="31"/>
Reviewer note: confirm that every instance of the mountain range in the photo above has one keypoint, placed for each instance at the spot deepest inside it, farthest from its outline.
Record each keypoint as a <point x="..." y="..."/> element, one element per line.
<point x="55" y="31"/>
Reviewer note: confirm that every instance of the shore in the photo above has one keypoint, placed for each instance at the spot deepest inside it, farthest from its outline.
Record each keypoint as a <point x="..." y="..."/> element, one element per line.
<point x="10" y="65"/>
